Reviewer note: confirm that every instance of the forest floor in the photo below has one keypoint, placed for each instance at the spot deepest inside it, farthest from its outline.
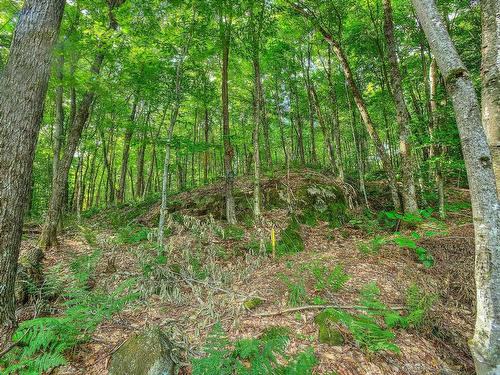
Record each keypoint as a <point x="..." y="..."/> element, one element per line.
<point x="217" y="268"/>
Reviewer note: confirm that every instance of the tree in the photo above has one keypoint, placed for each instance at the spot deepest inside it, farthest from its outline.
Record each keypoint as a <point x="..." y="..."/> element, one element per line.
<point x="225" y="25"/>
<point x="402" y="114"/>
<point x="23" y="86"/>
<point x="60" y="181"/>
<point x="490" y="76"/>
<point x="485" y="345"/>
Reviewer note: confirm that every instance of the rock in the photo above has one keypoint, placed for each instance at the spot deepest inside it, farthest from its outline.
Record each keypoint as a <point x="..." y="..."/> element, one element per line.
<point x="328" y="333"/>
<point x="148" y="353"/>
<point x="252" y="303"/>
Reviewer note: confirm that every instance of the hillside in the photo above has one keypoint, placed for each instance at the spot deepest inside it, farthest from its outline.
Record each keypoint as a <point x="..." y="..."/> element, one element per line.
<point x="325" y="254"/>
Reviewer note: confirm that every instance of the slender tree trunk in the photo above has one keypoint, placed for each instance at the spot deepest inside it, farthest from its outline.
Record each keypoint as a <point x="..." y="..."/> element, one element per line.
<point x="322" y="123"/>
<point x="23" y="86"/>
<point x="228" y="148"/>
<point x="435" y="151"/>
<point x="485" y="345"/>
<point x="59" y="120"/>
<point x="173" y="121"/>
<point x="206" y="154"/>
<point x="402" y="115"/>
<point x="126" y="151"/>
<point x="490" y="75"/>
<point x="360" y="103"/>
<point x="58" y="194"/>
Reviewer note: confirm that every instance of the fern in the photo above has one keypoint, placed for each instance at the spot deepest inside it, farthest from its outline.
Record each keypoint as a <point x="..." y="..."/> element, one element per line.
<point x="44" y="341"/>
<point x="250" y="356"/>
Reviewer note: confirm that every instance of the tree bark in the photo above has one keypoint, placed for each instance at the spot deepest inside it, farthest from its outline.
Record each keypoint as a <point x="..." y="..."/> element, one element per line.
<point x="402" y="115"/>
<point x="228" y="148"/>
<point x="485" y="345"/>
<point x="490" y="76"/>
<point x="23" y="86"/>
<point x="126" y="151"/>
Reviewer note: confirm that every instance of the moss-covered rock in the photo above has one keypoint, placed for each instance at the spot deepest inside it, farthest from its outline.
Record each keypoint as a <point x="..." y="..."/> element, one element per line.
<point x="148" y="353"/>
<point x="328" y="331"/>
<point x="252" y="303"/>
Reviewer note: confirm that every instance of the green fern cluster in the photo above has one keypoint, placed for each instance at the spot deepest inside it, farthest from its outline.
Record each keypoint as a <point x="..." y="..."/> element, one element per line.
<point x="251" y="356"/>
<point x="331" y="279"/>
<point x="43" y="342"/>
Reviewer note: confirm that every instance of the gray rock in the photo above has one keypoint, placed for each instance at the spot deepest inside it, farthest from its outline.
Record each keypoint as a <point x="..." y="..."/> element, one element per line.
<point x="148" y="353"/>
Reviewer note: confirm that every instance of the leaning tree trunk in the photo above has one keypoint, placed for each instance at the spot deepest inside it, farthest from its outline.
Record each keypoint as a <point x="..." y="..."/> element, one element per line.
<point x="23" y="87"/>
<point x="490" y="74"/>
<point x="60" y="181"/>
<point x="485" y="345"/>
<point x="360" y="103"/>
<point x="402" y="115"/>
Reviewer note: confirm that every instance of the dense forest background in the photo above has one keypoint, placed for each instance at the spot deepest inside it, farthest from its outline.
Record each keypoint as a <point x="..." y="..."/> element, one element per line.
<point x="249" y="187"/>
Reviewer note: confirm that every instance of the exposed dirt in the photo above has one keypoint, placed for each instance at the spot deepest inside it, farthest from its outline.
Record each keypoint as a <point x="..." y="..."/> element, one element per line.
<point x="439" y="348"/>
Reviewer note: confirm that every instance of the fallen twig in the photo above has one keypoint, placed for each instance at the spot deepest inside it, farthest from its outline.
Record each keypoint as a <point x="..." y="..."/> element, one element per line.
<point x="317" y="307"/>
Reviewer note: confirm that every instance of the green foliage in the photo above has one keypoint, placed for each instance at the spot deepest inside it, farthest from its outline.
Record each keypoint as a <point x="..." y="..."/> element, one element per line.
<point x="44" y="341"/>
<point x="373" y="246"/>
<point x="331" y="279"/>
<point x="251" y="356"/>
<point x="297" y="293"/>
<point x="409" y="242"/>
<point x="132" y="235"/>
<point x="232" y="232"/>
<point x="291" y="241"/>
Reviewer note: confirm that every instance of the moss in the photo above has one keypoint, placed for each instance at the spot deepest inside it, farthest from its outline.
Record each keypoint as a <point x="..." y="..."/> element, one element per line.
<point x="252" y="303"/>
<point x="328" y="332"/>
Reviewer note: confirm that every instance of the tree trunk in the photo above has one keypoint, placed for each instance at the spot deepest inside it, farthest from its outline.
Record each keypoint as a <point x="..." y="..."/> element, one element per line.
<point x="23" y="86"/>
<point x="485" y="345"/>
<point x="402" y="115"/>
<point x="59" y="120"/>
<point x="358" y="99"/>
<point x="126" y="150"/>
<point x="435" y="151"/>
<point x="228" y="148"/>
<point x="490" y="75"/>
<point x="58" y="194"/>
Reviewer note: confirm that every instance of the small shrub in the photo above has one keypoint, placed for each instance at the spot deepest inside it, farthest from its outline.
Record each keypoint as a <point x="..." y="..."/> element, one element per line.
<point x="297" y="294"/>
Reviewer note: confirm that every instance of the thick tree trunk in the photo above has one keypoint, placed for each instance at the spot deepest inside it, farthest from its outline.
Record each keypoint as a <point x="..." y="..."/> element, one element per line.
<point x="23" y="86"/>
<point x="485" y="205"/>
<point x="490" y="75"/>
<point x="402" y="115"/>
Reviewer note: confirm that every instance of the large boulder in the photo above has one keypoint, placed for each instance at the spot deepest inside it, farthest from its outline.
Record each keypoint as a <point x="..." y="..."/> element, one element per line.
<point x="148" y="353"/>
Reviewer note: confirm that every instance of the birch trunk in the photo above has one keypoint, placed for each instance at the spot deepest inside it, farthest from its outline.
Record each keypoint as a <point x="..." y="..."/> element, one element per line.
<point x="490" y="75"/>
<point x="485" y="345"/>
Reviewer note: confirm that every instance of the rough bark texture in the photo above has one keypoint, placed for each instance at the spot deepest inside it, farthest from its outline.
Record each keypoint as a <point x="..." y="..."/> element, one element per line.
<point x="485" y="345"/>
<point x="23" y="87"/>
<point x="402" y="114"/>
<point x="490" y="75"/>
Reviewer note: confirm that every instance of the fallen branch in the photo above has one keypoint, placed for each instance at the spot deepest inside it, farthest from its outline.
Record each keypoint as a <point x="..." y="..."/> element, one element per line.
<point x="317" y="307"/>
